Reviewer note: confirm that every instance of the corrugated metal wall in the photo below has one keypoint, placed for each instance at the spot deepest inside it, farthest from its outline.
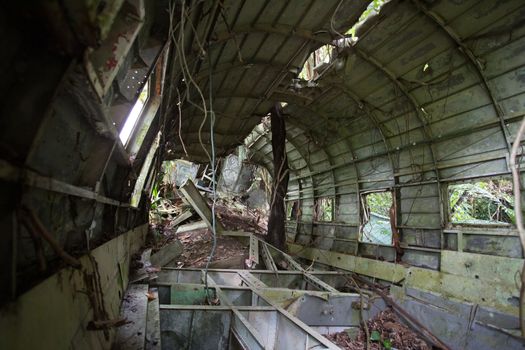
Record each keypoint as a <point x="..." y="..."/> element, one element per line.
<point x="429" y="95"/>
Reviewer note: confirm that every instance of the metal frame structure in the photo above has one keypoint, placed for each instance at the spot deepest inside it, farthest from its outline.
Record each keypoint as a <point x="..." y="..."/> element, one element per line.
<point x="261" y="308"/>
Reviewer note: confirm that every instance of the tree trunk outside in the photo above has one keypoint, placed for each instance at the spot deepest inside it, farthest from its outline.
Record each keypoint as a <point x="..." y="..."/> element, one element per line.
<point x="276" y="228"/>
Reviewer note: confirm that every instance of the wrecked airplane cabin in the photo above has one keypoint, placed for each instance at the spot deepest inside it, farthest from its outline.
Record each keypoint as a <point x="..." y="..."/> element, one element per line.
<point x="271" y="174"/>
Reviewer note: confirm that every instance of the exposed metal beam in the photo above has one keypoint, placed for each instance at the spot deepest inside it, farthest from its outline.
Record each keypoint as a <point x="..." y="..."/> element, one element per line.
<point x="277" y="29"/>
<point x="11" y="173"/>
<point x="228" y="66"/>
<point x="476" y="64"/>
<point x="307" y="41"/>
<point x="418" y="111"/>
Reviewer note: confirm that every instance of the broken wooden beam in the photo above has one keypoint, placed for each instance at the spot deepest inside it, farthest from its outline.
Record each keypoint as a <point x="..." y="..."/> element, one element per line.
<point x="198" y="225"/>
<point x="181" y="218"/>
<point x="192" y="195"/>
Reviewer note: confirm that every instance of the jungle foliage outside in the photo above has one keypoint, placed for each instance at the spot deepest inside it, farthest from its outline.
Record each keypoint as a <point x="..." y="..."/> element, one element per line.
<point x="482" y="202"/>
<point x="380" y="202"/>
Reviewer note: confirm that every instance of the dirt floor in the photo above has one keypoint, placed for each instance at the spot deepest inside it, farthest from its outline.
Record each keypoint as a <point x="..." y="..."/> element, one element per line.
<point x="386" y="332"/>
<point x="197" y="247"/>
<point x="230" y="253"/>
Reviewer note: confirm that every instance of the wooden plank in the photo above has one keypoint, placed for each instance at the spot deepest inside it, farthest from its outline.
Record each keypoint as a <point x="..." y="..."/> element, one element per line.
<point x="198" y="203"/>
<point x="134" y="309"/>
<point x="199" y="225"/>
<point x="153" y="323"/>
<point x="181" y="218"/>
<point x="167" y="253"/>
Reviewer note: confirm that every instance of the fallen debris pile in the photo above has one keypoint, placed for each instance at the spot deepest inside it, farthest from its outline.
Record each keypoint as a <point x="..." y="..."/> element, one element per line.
<point x="197" y="247"/>
<point x="386" y="332"/>
<point x="232" y="213"/>
<point x="164" y="210"/>
<point x="235" y="215"/>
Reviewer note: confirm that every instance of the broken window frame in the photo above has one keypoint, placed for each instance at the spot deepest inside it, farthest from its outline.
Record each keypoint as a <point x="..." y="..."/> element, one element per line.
<point x="318" y="57"/>
<point x="136" y="195"/>
<point x="365" y="214"/>
<point x="135" y="115"/>
<point x="151" y="106"/>
<point x="318" y="214"/>
<point x="143" y="126"/>
<point x="446" y="190"/>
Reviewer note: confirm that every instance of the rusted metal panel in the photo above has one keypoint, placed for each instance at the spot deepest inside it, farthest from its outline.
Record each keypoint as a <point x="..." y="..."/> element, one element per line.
<point x="92" y="19"/>
<point x="103" y="63"/>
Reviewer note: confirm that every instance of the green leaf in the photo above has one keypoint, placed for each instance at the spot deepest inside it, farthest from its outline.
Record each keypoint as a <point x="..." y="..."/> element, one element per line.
<point x="375" y="336"/>
<point x="380" y="202"/>
<point x="387" y="344"/>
